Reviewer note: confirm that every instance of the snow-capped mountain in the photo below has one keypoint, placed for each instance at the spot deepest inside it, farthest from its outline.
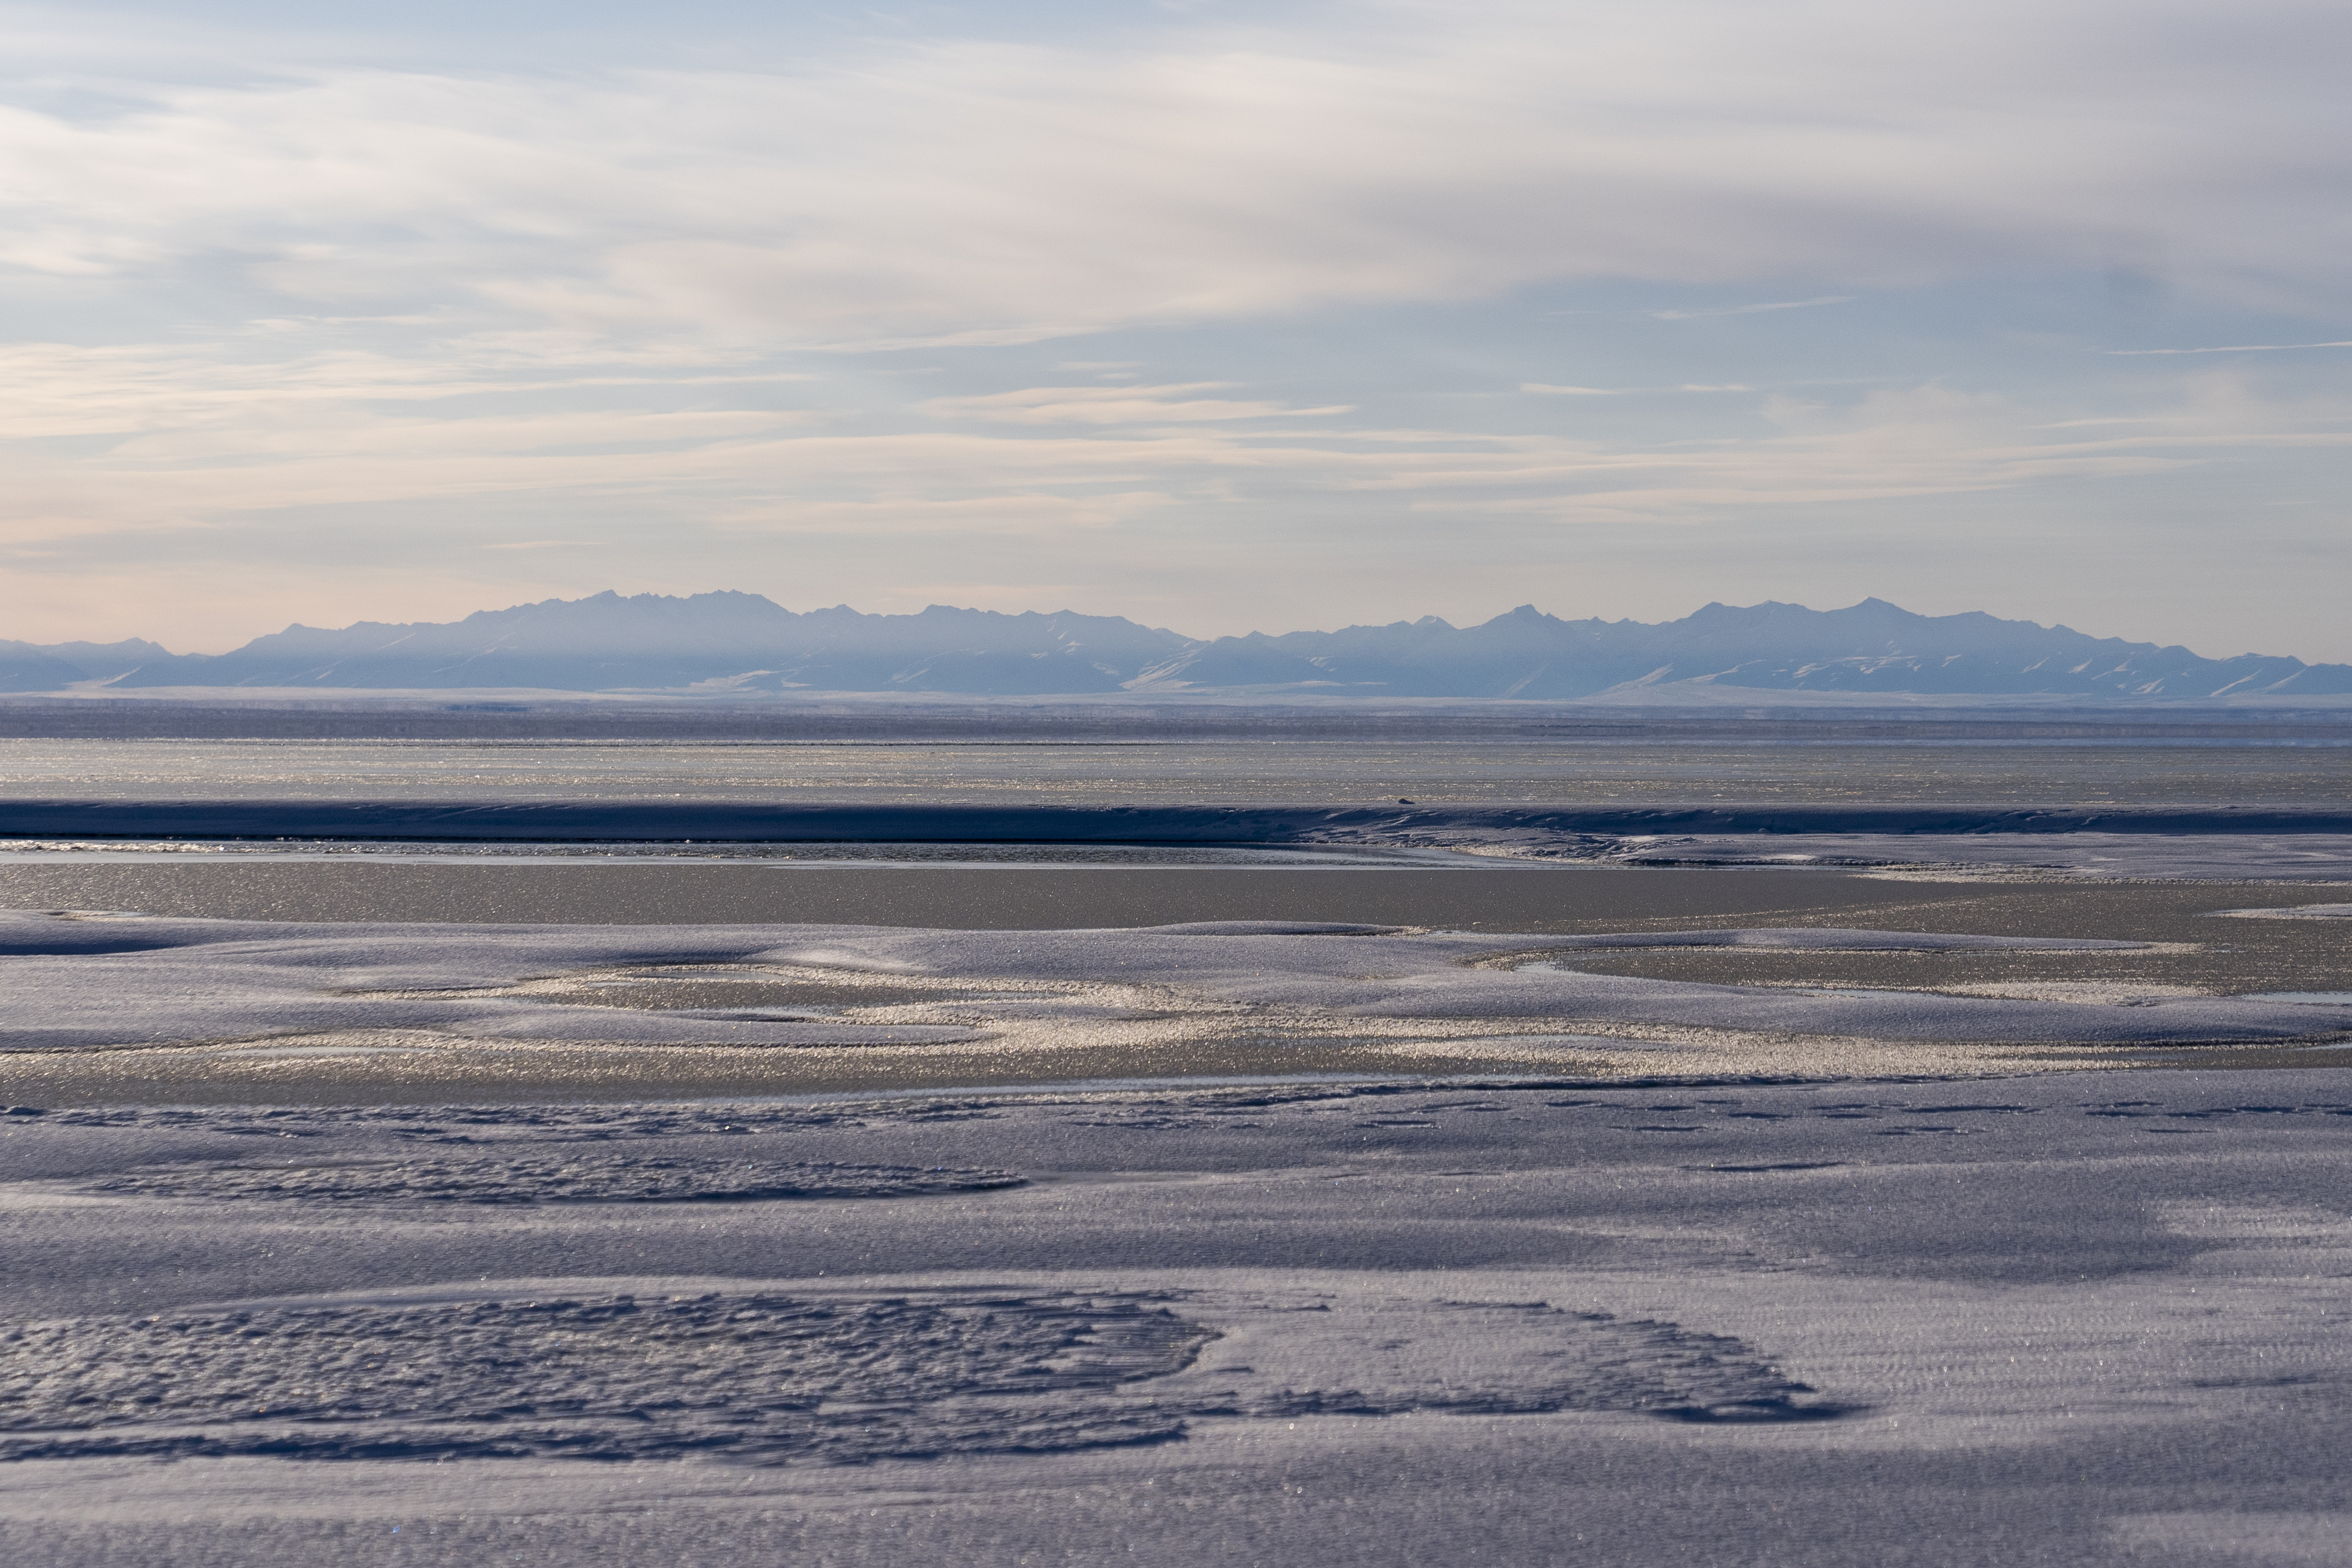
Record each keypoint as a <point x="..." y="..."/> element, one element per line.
<point x="732" y="642"/>
<point x="1871" y="647"/>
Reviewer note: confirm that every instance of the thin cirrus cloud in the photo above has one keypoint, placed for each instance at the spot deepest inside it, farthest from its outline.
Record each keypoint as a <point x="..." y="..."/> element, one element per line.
<point x="1753" y="309"/>
<point x="323" y="306"/>
<point x="1018" y="514"/>
<point x="1115" y="405"/>
<point x="2230" y="349"/>
<point x="1548" y="390"/>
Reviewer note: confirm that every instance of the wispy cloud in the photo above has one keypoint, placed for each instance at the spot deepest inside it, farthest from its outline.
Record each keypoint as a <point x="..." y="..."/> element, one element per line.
<point x="976" y="192"/>
<point x="1751" y="309"/>
<point x="1015" y="515"/>
<point x="2229" y="349"/>
<point x="320" y="313"/>
<point x="1116" y="405"/>
<point x="116" y="443"/>
<point x="1547" y="389"/>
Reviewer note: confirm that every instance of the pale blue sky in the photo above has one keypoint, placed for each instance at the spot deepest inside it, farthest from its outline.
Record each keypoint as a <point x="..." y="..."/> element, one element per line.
<point x="1221" y="316"/>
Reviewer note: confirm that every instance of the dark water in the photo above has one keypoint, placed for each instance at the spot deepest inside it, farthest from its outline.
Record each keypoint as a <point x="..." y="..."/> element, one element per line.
<point x="1226" y="772"/>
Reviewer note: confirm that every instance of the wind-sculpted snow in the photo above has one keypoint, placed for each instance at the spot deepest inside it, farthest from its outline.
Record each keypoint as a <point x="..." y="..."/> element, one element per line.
<point x="473" y="1126"/>
<point x="773" y="1378"/>
<point x="1377" y="1325"/>
<point x="761" y="1377"/>
<point x="551" y="1178"/>
<point x="82" y="985"/>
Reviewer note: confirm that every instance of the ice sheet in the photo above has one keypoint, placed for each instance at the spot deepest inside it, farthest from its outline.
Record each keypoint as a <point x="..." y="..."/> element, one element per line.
<point x="2070" y="1319"/>
<point x="83" y="984"/>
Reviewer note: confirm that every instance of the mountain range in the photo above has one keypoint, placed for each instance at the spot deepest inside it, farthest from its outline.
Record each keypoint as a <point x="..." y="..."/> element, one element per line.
<point x="733" y="642"/>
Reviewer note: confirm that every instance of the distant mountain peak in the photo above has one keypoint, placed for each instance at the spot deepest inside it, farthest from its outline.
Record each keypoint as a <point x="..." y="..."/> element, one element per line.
<point x="732" y="641"/>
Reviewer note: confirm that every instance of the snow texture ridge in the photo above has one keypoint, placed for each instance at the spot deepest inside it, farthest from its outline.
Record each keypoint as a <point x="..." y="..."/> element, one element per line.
<point x="1326" y="1324"/>
<point x="549" y="1178"/>
<point x="774" y="1377"/>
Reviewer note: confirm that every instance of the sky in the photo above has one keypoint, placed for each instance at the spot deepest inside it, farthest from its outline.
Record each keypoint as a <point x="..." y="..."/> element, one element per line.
<point x="1221" y="316"/>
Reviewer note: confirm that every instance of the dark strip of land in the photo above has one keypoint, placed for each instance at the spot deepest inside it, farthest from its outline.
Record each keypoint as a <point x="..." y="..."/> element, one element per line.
<point x="745" y="822"/>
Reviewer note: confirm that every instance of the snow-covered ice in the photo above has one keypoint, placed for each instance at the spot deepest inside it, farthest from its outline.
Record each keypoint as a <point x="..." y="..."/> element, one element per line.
<point x="2065" y="1319"/>
<point x="1796" y="1270"/>
<point x="80" y="984"/>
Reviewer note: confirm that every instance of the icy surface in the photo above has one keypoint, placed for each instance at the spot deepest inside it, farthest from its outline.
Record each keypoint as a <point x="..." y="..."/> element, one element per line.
<point x="82" y="984"/>
<point x="2071" y="1319"/>
<point x="755" y="1375"/>
<point x="552" y="1177"/>
<point x="767" y="1377"/>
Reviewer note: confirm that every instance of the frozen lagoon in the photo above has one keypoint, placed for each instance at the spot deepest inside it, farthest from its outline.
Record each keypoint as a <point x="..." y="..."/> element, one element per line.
<point x="375" y="1257"/>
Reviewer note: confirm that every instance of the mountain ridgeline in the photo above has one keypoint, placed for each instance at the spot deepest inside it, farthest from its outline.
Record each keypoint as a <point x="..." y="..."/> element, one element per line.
<point x="730" y="643"/>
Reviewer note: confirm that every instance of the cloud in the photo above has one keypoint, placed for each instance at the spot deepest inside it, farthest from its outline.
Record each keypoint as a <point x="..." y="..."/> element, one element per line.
<point x="130" y="441"/>
<point x="1751" y="309"/>
<point x="1023" y="513"/>
<point x="2232" y="348"/>
<point x="301" y="304"/>
<point x="1891" y="445"/>
<point x="977" y="192"/>
<point x="1547" y="389"/>
<point x="1114" y="406"/>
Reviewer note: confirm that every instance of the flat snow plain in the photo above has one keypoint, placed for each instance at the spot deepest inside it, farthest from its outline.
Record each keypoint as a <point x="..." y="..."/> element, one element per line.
<point x="1791" y="1264"/>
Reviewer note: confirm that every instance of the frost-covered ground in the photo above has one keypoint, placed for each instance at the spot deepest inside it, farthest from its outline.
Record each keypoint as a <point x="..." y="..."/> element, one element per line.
<point x="246" y="1007"/>
<point x="2076" y="1318"/>
<point x="1766" y="1238"/>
